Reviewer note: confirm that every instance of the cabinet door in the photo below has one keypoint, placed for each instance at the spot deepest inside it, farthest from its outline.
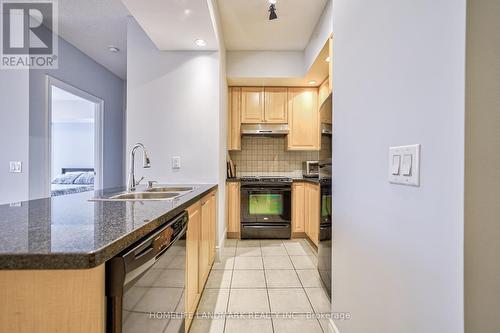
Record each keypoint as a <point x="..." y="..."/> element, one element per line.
<point x="203" y="261"/>
<point x="276" y="105"/>
<point x="303" y="119"/>
<point x="298" y="206"/>
<point x="234" y="119"/>
<point x="233" y="206"/>
<point x="192" y="255"/>
<point x="312" y="212"/>
<point x="252" y="105"/>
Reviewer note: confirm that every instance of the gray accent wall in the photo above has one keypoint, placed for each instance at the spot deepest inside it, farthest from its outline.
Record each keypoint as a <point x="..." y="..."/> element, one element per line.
<point x="80" y="71"/>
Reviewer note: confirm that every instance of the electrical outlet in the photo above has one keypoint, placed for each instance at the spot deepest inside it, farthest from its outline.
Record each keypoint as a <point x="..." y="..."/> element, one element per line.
<point x="176" y="162"/>
<point x="15" y="167"/>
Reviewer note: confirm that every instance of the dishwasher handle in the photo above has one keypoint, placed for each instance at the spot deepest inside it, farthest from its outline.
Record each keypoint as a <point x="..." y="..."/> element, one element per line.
<point x="140" y="258"/>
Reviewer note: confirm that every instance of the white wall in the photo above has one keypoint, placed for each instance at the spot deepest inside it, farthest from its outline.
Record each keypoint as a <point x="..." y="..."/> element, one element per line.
<point x="263" y="64"/>
<point x="319" y="36"/>
<point x="14" y="134"/>
<point x="173" y="108"/>
<point x="398" y="250"/>
<point x="223" y="101"/>
<point x="482" y="168"/>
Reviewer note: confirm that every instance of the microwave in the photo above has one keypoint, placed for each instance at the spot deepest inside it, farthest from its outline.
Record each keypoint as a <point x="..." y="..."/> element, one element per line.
<point x="310" y="169"/>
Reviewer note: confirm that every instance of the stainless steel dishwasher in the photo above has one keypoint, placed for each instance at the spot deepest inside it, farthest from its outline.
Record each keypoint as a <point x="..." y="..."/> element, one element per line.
<point x="145" y="283"/>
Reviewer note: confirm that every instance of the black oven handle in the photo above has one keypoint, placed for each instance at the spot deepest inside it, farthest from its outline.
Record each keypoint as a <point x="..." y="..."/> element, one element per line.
<point x="267" y="226"/>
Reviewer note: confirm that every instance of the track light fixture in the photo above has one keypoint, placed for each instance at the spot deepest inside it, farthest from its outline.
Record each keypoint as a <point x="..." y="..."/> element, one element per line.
<point x="272" y="11"/>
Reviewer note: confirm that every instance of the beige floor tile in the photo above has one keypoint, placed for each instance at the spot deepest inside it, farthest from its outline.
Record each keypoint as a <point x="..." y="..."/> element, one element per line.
<point x="267" y="242"/>
<point x="248" y="243"/>
<point x="207" y="326"/>
<point x="303" y="262"/>
<point x="228" y="252"/>
<point x="298" y="249"/>
<point x="319" y="300"/>
<point x="325" y="324"/>
<point x="213" y="301"/>
<point x="248" y="252"/>
<point x="235" y="325"/>
<point x="269" y="251"/>
<point x="223" y="263"/>
<point x="219" y="279"/>
<point x="230" y="242"/>
<point x="248" y="300"/>
<point x="281" y="262"/>
<point x="248" y="279"/>
<point x="310" y="278"/>
<point x="282" y="279"/>
<point x="289" y="300"/>
<point x="248" y="263"/>
<point x="296" y="325"/>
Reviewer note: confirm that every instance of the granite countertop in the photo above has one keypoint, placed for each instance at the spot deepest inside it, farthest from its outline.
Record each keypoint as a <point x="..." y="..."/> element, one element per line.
<point x="71" y="232"/>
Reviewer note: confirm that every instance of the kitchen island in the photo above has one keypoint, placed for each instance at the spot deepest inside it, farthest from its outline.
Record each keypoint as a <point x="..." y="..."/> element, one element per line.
<point x="53" y="251"/>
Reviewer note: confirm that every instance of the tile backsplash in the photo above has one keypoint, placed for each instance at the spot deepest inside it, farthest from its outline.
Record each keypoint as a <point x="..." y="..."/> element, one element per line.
<point x="267" y="156"/>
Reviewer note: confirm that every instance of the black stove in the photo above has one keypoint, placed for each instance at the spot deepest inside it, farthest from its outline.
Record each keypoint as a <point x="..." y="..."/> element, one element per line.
<point x="266" y="210"/>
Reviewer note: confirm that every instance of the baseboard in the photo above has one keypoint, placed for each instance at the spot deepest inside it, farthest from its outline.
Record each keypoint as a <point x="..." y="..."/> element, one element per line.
<point x="233" y="235"/>
<point x="298" y="235"/>
<point x="332" y="327"/>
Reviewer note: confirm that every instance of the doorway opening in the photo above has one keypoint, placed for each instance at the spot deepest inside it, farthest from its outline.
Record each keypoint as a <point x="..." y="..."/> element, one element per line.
<point x="75" y="130"/>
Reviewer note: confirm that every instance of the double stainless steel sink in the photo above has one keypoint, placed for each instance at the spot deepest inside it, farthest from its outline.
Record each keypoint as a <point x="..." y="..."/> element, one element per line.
<point x="160" y="192"/>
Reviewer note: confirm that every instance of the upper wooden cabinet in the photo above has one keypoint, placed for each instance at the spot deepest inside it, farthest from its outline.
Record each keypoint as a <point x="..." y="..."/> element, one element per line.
<point x="303" y="119"/>
<point x="276" y="105"/>
<point x="234" y="119"/>
<point x="263" y="105"/>
<point x="252" y="105"/>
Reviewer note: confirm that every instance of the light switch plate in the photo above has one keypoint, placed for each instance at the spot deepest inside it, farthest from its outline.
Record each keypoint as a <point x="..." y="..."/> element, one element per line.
<point x="409" y="154"/>
<point x="15" y="167"/>
<point x="176" y="162"/>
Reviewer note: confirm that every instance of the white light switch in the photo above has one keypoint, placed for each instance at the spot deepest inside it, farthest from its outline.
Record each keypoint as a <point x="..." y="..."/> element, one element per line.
<point x="396" y="161"/>
<point x="404" y="165"/>
<point x="176" y="162"/>
<point x="15" y="166"/>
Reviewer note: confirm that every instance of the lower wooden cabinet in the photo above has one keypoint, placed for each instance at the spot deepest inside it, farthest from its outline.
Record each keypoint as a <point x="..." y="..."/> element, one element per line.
<point x="200" y="250"/>
<point x="298" y="208"/>
<point x="233" y="209"/>
<point x="306" y="210"/>
<point x="312" y="211"/>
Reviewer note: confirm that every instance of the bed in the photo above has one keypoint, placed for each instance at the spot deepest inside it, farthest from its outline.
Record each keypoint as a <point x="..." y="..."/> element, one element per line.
<point x="73" y="180"/>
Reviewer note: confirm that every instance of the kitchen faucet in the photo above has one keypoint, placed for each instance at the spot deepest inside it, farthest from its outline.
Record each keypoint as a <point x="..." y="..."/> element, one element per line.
<point x="146" y="163"/>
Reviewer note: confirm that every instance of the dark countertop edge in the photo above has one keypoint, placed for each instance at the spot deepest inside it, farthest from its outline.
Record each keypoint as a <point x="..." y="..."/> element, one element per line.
<point x="88" y="260"/>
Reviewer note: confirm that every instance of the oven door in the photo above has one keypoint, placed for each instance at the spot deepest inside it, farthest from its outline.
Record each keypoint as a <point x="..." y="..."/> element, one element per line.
<point x="266" y="205"/>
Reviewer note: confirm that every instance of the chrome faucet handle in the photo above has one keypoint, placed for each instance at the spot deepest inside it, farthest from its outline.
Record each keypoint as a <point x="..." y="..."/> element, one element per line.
<point x="140" y="180"/>
<point x="150" y="184"/>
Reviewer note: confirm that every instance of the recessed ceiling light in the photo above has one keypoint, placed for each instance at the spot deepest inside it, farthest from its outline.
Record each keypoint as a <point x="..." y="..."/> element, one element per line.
<point x="312" y="82"/>
<point x="187" y="11"/>
<point x="327" y="59"/>
<point x="200" y="42"/>
<point x="113" y="49"/>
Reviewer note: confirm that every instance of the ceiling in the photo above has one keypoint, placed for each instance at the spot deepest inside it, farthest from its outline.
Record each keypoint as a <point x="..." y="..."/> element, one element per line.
<point x="318" y="72"/>
<point x="175" y="24"/>
<point x="92" y="26"/>
<point x="245" y="24"/>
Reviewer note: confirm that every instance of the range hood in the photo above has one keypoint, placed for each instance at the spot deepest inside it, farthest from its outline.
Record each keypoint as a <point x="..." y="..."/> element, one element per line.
<point x="264" y="129"/>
